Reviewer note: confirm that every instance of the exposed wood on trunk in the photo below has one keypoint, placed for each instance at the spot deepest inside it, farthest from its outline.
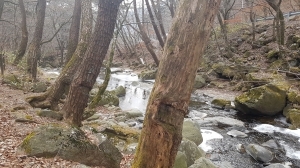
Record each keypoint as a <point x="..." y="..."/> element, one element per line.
<point x="168" y="103"/>
<point x="24" y="40"/>
<point x="34" y="50"/>
<point x="74" y="31"/>
<point x="89" y="69"/>
<point x="51" y="98"/>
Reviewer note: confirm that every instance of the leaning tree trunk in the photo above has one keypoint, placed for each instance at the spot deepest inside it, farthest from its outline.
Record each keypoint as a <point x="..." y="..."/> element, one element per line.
<point x="34" y="50"/>
<point x="89" y="69"/>
<point x="74" y="31"/>
<point x="51" y="98"/>
<point x="168" y="103"/>
<point x="144" y="35"/>
<point x="24" y="40"/>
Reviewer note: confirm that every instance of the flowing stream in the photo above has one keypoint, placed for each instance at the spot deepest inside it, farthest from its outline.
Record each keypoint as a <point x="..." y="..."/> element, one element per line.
<point x="215" y="124"/>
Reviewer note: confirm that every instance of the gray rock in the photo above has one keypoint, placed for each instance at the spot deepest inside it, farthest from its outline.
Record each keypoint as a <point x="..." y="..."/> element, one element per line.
<point x="271" y="144"/>
<point x="147" y="75"/>
<point x="277" y="165"/>
<point x="264" y="100"/>
<point x="50" y="114"/>
<point x="191" y="151"/>
<point x="225" y="165"/>
<point x="133" y="113"/>
<point x="203" y="163"/>
<point x="220" y="103"/>
<point x="236" y="133"/>
<point x="225" y="121"/>
<point x="200" y="82"/>
<point x="191" y="131"/>
<point x="70" y="144"/>
<point x="259" y="153"/>
<point x="109" y="98"/>
<point x="120" y="91"/>
<point x="180" y="160"/>
<point x="39" y="87"/>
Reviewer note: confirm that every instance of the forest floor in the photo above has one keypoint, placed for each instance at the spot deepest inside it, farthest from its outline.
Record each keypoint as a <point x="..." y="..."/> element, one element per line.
<point x="12" y="132"/>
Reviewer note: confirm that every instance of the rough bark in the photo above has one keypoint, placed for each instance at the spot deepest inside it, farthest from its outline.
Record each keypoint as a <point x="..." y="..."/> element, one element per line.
<point x="89" y="69"/>
<point x="51" y="98"/>
<point x="154" y="25"/>
<point x="24" y="40"/>
<point x="34" y="50"/>
<point x="74" y="31"/>
<point x="168" y="103"/>
<point x="144" y="35"/>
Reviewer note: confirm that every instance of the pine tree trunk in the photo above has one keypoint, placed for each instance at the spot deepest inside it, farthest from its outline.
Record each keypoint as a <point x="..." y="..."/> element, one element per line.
<point x="51" y="98"/>
<point x="34" y="50"/>
<point x="89" y="69"/>
<point x="24" y="40"/>
<point x="168" y="103"/>
<point x="74" y="31"/>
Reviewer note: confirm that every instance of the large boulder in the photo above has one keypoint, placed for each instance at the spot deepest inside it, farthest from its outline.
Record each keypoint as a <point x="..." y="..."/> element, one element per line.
<point x="191" y="151"/>
<point x="200" y="82"/>
<point x="110" y="98"/>
<point x="259" y="153"/>
<point x="70" y="144"/>
<point x="180" y="160"/>
<point x="191" y="131"/>
<point x="264" y="100"/>
<point x="203" y="163"/>
<point x="147" y="75"/>
<point x="120" y="91"/>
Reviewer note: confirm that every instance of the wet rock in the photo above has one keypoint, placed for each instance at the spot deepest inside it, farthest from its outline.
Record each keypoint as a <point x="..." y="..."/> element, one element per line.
<point x="236" y="133"/>
<point x="271" y="144"/>
<point x="39" y="87"/>
<point x="264" y="100"/>
<point x="203" y="163"/>
<point x="133" y="113"/>
<point x="191" y="151"/>
<point x="200" y="82"/>
<point x="50" y="114"/>
<point x="147" y="75"/>
<point x="191" y="131"/>
<point x="120" y="91"/>
<point x="220" y="103"/>
<point x="225" y="165"/>
<point x="240" y="148"/>
<point x="277" y="165"/>
<point x="225" y="121"/>
<point x="180" y="160"/>
<point x="259" y="153"/>
<point x="70" y="144"/>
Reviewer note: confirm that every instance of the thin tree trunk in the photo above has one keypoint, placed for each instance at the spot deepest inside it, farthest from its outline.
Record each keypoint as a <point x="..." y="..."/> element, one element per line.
<point x="144" y="35"/>
<point x="89" y="69"/>
<point x="34" y="50"/>
<point x="158" y="35"/>
<point x="24" y="40"/>
<point x="74" y="31"/>
<point x="168" y="104"/>
<point x="171" y="8"/>
<point x="51" y="98"/>
<point x="1" y="7"/>
<point x="157" y="12"/>
<point x="252" y="19"/>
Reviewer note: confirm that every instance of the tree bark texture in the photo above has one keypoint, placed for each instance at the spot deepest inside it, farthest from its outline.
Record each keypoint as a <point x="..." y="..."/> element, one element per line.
<point x="74" y="31"/>
<point x="51" y="98"/>
<point x="144" y="35"/>
<point x="34" y="50"/>
<point x="168" y="104"/>
<point x="24" y="40"/>
<point x="89" y="69"/>
<point x="154" y="25"/>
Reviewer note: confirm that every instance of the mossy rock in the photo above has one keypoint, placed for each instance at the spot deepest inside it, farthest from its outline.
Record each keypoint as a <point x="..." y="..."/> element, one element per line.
<point x="147" y="75"/>
<point x="200" y="82"/>
<point x="191" y="151"/>
<point x="13" y="81"/>
<point x="294" y="117"/>
<point x="109" y="98"/>
<point x="293" y="97"/>
<point x="191" y="131"/>
<point x="180" y="160"/>
<point x="124" y="133"/>
<point x="261" y="78"/>
<point x="224" y="71"/>
<point x="70" y="144"/>
<point x="39" y="87"/>
<point x="273" y="55"/>
<point x="269" y="100"/>
<point x="203" y="163"/>
<point x="119" y="91"/>
<point x="50" y="114"/>
<point x="220" y="103"/>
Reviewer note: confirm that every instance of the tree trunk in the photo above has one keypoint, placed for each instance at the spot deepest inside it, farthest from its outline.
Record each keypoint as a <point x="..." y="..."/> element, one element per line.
<point x="89" y="69"/>
<point x="24" y="40"/>
<point x="34" y="50"/>
<point x="51" y="98"/>
<point x="171" y="8"/>
<point x="252" y="19"/>
<point x="144" y="35"/>
<point x="158" y="35"/>
<point x="74" y="31"/>
<point x="1" y="7"/>
<point x="168" y="103"/>
<point x="157" y="11"/>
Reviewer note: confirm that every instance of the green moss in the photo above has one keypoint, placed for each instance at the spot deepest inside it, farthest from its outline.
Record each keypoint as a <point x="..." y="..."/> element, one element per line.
<point x="26" y="143"/>
<point x="28" y="117"/>
<point x="295" y="118"/>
